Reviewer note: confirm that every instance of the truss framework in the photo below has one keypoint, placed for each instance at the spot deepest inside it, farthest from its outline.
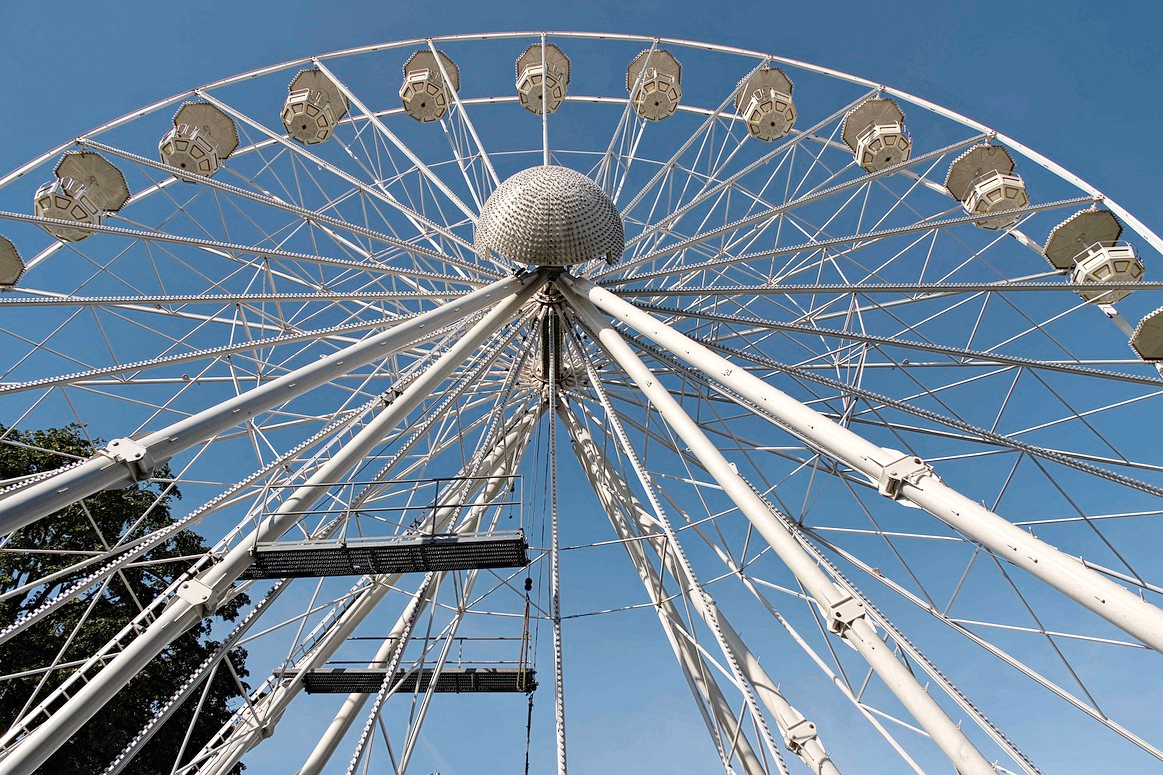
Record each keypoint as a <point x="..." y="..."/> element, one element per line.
<point x="747" y="394"/>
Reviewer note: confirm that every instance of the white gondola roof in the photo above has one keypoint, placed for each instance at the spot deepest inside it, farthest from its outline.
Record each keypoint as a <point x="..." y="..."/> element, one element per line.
<point x="763" y="78"/>
<point x="1079" y="232"/>
<point x="660" y="59"/>
<point x="424" y="60"/>
<point x="1148" y="336"/>
<point x="971" y="165"/>
<point x="316" y="80"/>
<point x="105" y="182"/>
<point x="211" y="120"/>
<point x="880" y="110"/>
<point x="11" y="264"/>
<point x="553" y="55"/>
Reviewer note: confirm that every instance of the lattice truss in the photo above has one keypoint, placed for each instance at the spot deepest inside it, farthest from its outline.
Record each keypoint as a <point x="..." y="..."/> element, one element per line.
<point x="845" y="376"/>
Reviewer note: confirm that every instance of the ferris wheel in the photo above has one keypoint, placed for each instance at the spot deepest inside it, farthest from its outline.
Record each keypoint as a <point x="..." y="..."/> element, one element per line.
<point x="516" y="401"/>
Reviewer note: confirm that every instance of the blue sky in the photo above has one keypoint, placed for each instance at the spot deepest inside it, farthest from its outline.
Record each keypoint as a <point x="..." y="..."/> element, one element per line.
<point x="1078" y="81"/>
<point x="1077" y="84"/>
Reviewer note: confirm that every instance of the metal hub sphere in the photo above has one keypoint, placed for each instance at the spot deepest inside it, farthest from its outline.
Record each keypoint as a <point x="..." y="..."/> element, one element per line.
<point x="550" y="216"/>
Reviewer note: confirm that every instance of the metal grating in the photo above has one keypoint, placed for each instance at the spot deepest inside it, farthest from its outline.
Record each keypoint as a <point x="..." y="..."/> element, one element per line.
<point x="468" y="680"/>
<point x="412" y="554"/>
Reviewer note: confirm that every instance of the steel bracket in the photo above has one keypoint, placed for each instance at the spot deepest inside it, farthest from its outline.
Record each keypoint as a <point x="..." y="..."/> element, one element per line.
<point x="197" y="594"/>
<point x="905" y="469"/>
<point x="798" y="734"/>
<point x="843" y="612"/>
<point x="135" y="456"/>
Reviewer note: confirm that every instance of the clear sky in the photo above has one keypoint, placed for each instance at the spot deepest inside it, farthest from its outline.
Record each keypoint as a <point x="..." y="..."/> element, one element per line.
<point x="1076" y="81"/>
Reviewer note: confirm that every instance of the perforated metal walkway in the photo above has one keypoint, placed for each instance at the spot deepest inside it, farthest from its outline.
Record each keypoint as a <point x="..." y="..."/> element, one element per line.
<point x="412" y="554"/>
<point x="342" y="680"/>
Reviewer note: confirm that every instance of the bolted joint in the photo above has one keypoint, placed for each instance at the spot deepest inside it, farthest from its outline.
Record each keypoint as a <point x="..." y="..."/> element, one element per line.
<point x="843" y="612"/>
<point x="389" y="396"/>
<point x="798" y="734"/>
<point x="905" y="469"/>
<point x="198" y="595"/>
<point x="135" y="456"/>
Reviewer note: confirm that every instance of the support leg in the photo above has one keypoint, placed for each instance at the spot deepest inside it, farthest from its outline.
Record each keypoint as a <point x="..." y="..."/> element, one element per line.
<point x="602" y="479"/>
<point x="844" y="611"/>
<point x="354" y="703"/>
<point x="632" y="520"/>
<point x="199" y="595"/>
<point x="898" y="476"/>
<point x="126" y="461"/>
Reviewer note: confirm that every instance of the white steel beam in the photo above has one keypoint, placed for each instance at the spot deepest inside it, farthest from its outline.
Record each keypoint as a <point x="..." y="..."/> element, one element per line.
<point x="228" y="249"/>
<point x="670" y="220"/>
<point x="671" y="163"/>
<point x="425" y="227"/>
<point x="247" y="729"/>
<point x="770" y="213"/>
<point x="510" y="455"/>
<point x="132" y="550"/>
<point x="423" y="168"/>
<point x="311" y="216"/>
<point x="551" y="331"/>
<point x="198" y="597"/>
<point x="242" y="732"/>
<point x="485" y="160"/>
<point x="615" y="500"/>
<point x="899" y="476"/>
<point x="843" y="609"/>
<point x="796" y="730"/>
<point x="864" y="239"/>
<point x="125" y="461"/>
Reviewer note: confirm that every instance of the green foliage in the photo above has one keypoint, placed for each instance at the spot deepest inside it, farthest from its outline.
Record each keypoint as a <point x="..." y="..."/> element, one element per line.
<point x="95" y="524"/>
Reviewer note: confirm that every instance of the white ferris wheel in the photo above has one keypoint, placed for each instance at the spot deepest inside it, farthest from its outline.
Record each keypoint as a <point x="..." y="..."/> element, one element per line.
<point x="519" y="401"/>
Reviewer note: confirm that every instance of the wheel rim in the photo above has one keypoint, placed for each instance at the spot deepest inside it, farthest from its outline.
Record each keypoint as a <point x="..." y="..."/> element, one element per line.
<point x="871" y="297"/>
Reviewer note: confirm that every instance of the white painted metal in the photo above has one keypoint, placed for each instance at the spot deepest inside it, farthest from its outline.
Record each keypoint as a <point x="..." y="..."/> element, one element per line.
<point x="426" y="85"/>
<point x="404" y="149"/>
<point x="30" y="752"/>
<point x="1147" y="339"/>
<point x="26" y="505"/>
<point x="11" y="264"/>
<point x="453" y="80"/>
<point x="66" y="199"/>
<point x="767" y="214"/>
<point x="843" y="610"/>
<point x="623" y="509"/>
<point x="673" y="558"/>
<point x="702" y="684"/>
<point x="314" y="216"/>
<point x="740" y="256"/>
<point x="313" y="107"/>
<point x="1104" y="597"/>
<point x="654" y="81"/>
<point x="1109" y="263"/>
<point x="501" y="464"/>
<point x="553" y="333"/>
<point x="1135" y="224"/>
<point x="402" y="634"/>
<point x="242" y="733"/>
<point x="236" y="740"/>
<point x="542" y="78"/>
<point x="765" y="103"/>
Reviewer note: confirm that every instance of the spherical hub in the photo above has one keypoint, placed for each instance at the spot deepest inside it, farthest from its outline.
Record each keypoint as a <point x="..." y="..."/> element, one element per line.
<point x="550" y="216"/>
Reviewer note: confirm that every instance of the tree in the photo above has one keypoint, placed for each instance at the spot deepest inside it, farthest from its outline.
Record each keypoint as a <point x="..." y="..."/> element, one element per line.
<point x="95" y="524"/>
